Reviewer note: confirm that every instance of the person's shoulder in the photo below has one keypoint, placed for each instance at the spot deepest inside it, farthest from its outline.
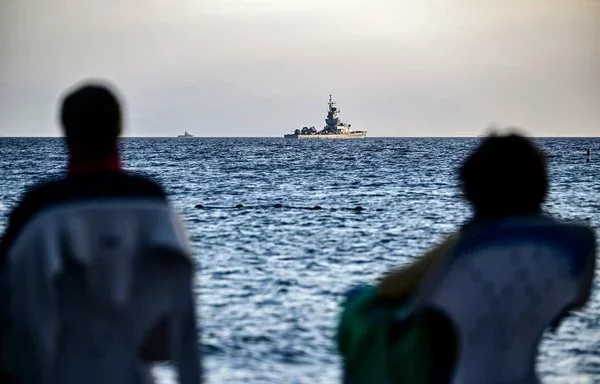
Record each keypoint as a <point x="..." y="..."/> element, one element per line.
<point x="578" y="238"/>
<point x="140" y="184"/>
<point x="35" y="198"/>
<point x="582" y="232"/>
<point x="52" y="191"/>
<point x="581" y="229"/>
<point x="36" y="195"/>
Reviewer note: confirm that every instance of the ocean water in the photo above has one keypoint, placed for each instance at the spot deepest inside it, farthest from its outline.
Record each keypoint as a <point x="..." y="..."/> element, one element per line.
<point x="271" y="278"/>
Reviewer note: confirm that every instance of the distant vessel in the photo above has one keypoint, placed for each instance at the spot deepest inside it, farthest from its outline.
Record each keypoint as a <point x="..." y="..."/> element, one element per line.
<point x="334" y="128"/>
<point x="186" y="134"/>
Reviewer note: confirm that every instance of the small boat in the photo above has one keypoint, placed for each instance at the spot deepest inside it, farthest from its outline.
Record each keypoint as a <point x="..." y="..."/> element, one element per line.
<point x="186" y="134"/>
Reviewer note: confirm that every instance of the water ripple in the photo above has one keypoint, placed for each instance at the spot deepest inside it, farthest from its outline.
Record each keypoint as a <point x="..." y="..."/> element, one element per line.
<point x="271" y="273"/>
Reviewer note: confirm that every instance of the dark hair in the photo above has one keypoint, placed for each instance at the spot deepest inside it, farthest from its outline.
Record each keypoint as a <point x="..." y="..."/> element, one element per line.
<point x="91" y="118"/>
<point x="504" y="176"/>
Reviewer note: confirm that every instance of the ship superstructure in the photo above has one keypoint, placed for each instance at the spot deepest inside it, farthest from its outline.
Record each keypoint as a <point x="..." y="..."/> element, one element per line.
<point x="334" y="127"/>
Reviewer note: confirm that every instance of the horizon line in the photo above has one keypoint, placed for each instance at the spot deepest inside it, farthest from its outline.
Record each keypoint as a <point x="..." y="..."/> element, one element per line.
<point x="281" y="137"/>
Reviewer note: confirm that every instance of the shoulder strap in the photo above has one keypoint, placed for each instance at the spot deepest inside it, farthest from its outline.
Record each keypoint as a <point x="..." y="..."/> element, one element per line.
<point x="418" y="298"/>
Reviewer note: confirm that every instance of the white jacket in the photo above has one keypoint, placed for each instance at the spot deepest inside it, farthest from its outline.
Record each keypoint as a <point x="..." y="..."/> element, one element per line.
<point x="89" y="280"/>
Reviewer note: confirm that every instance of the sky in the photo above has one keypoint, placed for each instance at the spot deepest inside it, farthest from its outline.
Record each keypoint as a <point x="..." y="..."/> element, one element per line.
<point x="266" y="67"/>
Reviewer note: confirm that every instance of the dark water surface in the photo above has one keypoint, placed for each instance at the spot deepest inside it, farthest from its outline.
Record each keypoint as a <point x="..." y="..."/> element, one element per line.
<point x="271" y="279"/>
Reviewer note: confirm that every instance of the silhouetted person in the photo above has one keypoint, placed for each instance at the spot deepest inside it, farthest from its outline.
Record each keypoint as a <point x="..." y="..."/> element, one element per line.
<point x="99" y="270"/>
<point x="508" y="274"/>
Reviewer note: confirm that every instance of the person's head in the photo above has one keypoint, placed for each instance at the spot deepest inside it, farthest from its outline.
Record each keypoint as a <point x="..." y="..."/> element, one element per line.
<point x="91" y="121"/>
<point x="505" y="176"/>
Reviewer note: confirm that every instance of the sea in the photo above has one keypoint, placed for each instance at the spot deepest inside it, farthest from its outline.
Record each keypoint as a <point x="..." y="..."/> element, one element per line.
<point x="280" y="229"/>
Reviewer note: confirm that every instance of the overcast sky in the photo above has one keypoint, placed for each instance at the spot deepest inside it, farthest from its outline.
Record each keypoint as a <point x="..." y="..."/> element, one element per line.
<point x="266" y="67"/>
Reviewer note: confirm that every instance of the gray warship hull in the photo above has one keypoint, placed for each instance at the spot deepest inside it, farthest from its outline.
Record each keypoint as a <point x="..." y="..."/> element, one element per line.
<point x="350" y="135"/>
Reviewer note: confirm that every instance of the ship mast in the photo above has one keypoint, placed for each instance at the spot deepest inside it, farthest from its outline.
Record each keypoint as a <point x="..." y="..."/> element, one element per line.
<point x="332" y="121"/>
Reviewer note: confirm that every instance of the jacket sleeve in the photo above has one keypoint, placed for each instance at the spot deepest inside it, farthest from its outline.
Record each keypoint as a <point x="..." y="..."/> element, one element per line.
<point x="585" y="287"/>
<point x="185" y="332"/>
<point x="8" y="236"/>
<point x="17" y="219"/>
<point x="399" y="283"/>
<point x="587" y="278"/>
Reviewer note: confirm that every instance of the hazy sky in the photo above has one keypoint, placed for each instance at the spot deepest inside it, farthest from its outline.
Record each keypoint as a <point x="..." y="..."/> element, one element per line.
<point x="266" y="67"/>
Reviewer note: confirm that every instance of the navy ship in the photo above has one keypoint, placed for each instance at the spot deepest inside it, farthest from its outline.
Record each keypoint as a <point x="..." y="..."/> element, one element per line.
<point x="334" y="128"/>
<point x="186" y="134"/>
